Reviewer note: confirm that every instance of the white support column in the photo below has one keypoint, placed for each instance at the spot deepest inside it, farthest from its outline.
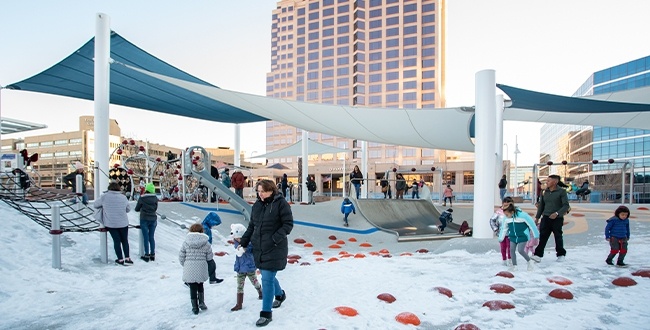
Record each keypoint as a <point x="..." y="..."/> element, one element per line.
<point x="498" y="128"/>
<point x="103" y="247"/>
<point x="364" y="169"/>
<point x="305" y="166"/>
<point x="484" y="171"/>
<point x="55" y="231"/>
<point x="631" y="182"/>
<point x="102" y="96"/>
<point x="237" y="160"/>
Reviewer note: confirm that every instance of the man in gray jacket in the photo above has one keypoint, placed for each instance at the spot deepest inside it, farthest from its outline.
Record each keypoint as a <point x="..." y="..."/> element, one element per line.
<point x="553" y="205"/>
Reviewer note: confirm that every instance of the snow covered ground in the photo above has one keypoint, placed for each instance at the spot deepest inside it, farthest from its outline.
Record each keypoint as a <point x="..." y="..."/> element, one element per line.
<point x="86" y="294"/>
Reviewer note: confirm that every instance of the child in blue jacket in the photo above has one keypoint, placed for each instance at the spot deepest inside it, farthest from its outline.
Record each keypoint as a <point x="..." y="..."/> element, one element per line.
<point x="346" y="208"/>
<point x="617" y="233"/>
<point x="244" y="265"/>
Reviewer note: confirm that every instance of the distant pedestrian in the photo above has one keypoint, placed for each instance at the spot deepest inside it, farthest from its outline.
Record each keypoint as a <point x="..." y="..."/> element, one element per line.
<point x="553" y="205"/>
<point x="347" y="207"/>
<point x="71" y="181"/>
<point x="448" y="194"/>
<point x="400" y="186"/>
<point x="617" y="233"/>
<point x="284" y="186"/>
<point x="195" y="251"/>
<point x="311" y="188"/>
<point x="356" y="177"/>
<point x="385" y="188"/>
<point x="115" y="207"/>
<point x="147" y="205"/>
<point x="415" y="190"/>
<point x="225" y="178"/>
<point x="503" y="183"/>
<point x="238" y="182"/>
<point x="444" y="219"/>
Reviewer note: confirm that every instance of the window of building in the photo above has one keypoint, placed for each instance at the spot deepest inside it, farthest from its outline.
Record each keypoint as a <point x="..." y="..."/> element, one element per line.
<point x="408" y="152"/>
<point x="342" y="71"/>
<point x="410" y="96"/>
<point x="328" y="52"/>
<point x="328" y="42"/>
<point x="392" y="75"/>
<point x="392" y="65"/>
<point x="342" y="19"/>
<point x="375" y="24"/>
<point x="313" y="16"/>
<point x="313" y="5"/>
<point x="392" y="32"/>
<point x="312" y="45"/>
<point x="374" y="88"/>
<point x="375" y="34"/>
<point x="327" y="94"/>
<point x="312" y="56"/>
<point x="428" y="29"/>
<point x="359" y="100"/>
<point x="428" y="51"/>
<point x="392" y="98"/>
<point x="391" y="152"/>
<point x="427" y="7"/>
<point x="410" y="29"/>
<point x="392" y="87"/>
<point x="342" y="92"/>
<point x="61" y="142"/>
<point x="312" y="66"/>
<point x="343" y="29"/>
<point x="468" y="177"/>
<point x="342" y="50"/>
<point x="428" y="85"/>
<point x="312" y="75"/>
<point x="343" y="9"/>
<point x="328" y="73"/>
<point x="374" y="77"/>
<point x="410" y="62"/>
<point x="375" y="13"/>
<point x="314" y="26"/>
<point x="410" y="41"/>
<point x="449" y="178"/>
<point x="392" y="53"/>
<point x="300" y="89"/>
<point x="374" y="99"/>
<point x="410" y="73"/>
<point x="410" y="84"/>
<point x="375" y="45"/>
<point x="428" y="18"/>
<point x="343" y="40"/>
<point x="312" y="96"/>
<point x="312" y="85"/>
<point x="374" y="154"/>
<point x="374" y="67"/>
<point x="428" y="74"/>
<point x="426" y="41"/>
<point x="410" y="19"/>
<point x="32" y="145"/>
<point x="374" y="56"/>
<point x="328" y="32"/>
<point x="392" y="43"/>
<point x="328" y="22"/>
<point x="392" y="21"/>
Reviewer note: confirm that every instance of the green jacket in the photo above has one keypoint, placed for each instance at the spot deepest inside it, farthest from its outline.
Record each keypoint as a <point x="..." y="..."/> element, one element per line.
<point x="553" y="201"/>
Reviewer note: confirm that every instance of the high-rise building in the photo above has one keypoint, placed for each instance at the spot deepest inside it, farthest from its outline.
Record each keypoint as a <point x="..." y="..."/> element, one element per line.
<point x="364" y="53"/>
<point x="585" y="143"/>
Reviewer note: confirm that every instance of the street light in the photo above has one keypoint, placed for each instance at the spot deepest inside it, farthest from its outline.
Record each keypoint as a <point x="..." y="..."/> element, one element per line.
<point x="517" y="152"/>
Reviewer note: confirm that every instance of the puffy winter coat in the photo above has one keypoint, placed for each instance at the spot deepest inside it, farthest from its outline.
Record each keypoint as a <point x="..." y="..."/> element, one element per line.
<point x="616" y="227"/>
<point x="194" y="256"/>
<point x="238" y="180"/>
<point x="271" y="222"/>
<point x="245" y="263"/>
<point x="347" y="207"/>
<point x="400" y="184"/>
<point x="115" y="207"/>
<point x="147" y="205"/>
<point x="496" y="221"/>
<point x="519" y="227"/>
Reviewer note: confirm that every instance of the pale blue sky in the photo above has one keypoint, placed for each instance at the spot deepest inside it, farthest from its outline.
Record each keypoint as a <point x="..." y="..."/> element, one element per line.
<point x="549" y="46"/>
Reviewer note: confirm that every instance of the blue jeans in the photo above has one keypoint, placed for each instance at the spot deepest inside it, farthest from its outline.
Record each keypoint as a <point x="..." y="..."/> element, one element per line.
<point x="415" y="194"/>
<point x="270" y="289"/>
<point x="148" y="228"/>
<point x="357" y="189"/>
<point x="502" y="193"/>
<point x="346" y="216"/>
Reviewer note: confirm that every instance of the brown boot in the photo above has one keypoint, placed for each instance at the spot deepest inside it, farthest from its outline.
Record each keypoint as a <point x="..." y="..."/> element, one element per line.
<point x="259" y="292"/>
<point x="240" y="301"/>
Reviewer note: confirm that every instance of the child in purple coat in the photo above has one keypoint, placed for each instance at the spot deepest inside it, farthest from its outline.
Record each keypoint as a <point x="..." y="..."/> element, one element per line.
<point x="617" y="233"/>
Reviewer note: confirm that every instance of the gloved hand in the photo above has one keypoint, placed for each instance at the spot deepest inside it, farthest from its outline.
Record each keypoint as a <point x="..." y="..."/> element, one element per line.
<point x="354" y="212"/>
<point x="240" y="251"/>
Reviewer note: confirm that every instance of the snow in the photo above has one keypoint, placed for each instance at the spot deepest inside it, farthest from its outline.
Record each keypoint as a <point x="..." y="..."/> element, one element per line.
<point x="86" y="294"/>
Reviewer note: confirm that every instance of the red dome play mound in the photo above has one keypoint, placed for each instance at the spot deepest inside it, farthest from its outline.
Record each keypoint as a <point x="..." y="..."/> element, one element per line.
<point x="642" y="273"/>
<point x="220" y="253"/>
<point x="332" y="237"/>
<point x="346" y="311"/>
<point x="422" y="251"/>
<point x="293" y="256"/>
<point x="308" y="245"/>
<point x="334" y="246"/>
<point x="559" y="280"/>
<point x="501" y="288"/>
<point x="352" y="239"/>
<point x="467" y="326"/>
<point x="624" y="281"/>
<point x="387" y="297"/>
<point x="496" y="305"/>
<point x="561" y="294"/>
<point x="365" y="245"/>
<point x="292" y="261"/>
<point x="408" y="318"/>
<point x="444" y="291"/>
<point x="505" y="274"/>
<point x="299" y="241"/>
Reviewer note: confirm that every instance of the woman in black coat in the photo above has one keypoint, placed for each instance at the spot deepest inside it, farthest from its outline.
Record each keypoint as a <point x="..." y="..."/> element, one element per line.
<point x="271" y="222"/>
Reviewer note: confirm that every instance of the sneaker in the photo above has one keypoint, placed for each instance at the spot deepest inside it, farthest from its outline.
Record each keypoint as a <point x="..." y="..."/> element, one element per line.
<point x="560" y="259"/>
<point x="119" y="262"/>
<point x="128" y="262"/>
<point x="512" y="268"/>
<point x="145" y="258"/>
<point x="152" y="257"/>
<point x="345" y="224"/>
<point x="505" y="263"/>
<point x="530" y="265"/>
<point x="263" y="321"/>
<point x="536" y="258"/>
<point x="216" y="281"/>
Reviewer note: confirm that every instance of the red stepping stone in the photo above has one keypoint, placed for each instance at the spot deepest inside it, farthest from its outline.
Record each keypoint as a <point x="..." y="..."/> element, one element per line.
<point x="444" y="291"/>
<point x="467" y="326"/>
<point x="352" y="239"/>
<point x="317" y="253"/>
<point x="386" y="255"/>
<point x="332" y="259"/>
<point x="422" y="251"/>
<point x="505" y="274"/>
<point x="365" y="245"/>
<point x="642" y="273"/>
<point x="384" y="251"/>
<point x="343" y="252"/>
<point x="341" y="242"/>
<point x="359" y="255"/>
<point x="346" y="311"/>
<point x="305" y="264"/>
<point x="332" y="237"/>
<point x="293" y="256"/>
<point x="559" y="280"/>
<point x="577" y="214"/>
<point x="406" y="254"/>
<point x="497" y="305"/>
<point x="299" y="241"/>
<point x="501" y="288"/>
<point x="624" y="281"/>
<point x="220" y="253"/>
<point x="292" y="261"/>
<point x="642" y="208"/>
<point x="373" y="253"/>
<point x="407" y="318"/>
<point x="387" y="297"/>
<point x="319" y="259"/>
<point x="334" y="246"/>
<point x="308" y="245"/>
<point x="561" y="294"/>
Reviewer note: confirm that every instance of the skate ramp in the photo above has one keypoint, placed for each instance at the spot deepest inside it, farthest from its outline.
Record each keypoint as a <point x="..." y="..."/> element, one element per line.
<point x="408" y="219"/>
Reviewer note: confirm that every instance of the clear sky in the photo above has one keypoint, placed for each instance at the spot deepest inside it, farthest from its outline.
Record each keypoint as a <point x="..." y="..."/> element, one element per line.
<point x="548" y="46"/>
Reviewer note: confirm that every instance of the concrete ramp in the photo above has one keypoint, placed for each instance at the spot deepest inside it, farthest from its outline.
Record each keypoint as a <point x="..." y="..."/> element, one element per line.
<point x="408" y="219"/>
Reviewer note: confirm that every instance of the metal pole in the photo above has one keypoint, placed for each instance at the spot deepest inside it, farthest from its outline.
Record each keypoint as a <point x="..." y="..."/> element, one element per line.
<point x="516" y="193"/>
<point x="79" y="182"/>
<point x="103" y="247"/>
<point x="623" y="183"/>
<point x="631" y="182"/>
<point x="56" y="238"/>
<point x="182" y="180"/>
<point x="343" y="178"/>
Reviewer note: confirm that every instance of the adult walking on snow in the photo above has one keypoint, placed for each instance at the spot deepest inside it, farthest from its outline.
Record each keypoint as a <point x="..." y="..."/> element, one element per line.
<point x="147" y="205"/>
<point x="115" y="207"/>
<point x="503" y="183"/>
<point x="553" y="205"/>
<point x="270" y="224"/>
<point x="238" y="182"/>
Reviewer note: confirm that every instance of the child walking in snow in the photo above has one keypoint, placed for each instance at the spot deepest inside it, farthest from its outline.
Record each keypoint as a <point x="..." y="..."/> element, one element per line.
<point x="617" y="233"/>
<point x="445" y="218"/>
<point x="194" y="254"/>
<point x="519" y="227"/>
<point x="496" y="222"/>
<point x="244" y="265"/>
<point x="346" y="208"/>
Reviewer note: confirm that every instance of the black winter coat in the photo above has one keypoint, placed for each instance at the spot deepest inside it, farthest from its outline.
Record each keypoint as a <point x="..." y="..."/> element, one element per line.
<point x="271" y="222"/>
<point x="147" y="205"/>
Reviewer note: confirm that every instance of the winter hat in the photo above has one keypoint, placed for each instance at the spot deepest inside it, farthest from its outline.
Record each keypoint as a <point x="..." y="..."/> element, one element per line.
<point x="78" y="166"/>
<point x="150" y="188"/>
<point x="450" y="210"/>
<point x="237" y="230"/>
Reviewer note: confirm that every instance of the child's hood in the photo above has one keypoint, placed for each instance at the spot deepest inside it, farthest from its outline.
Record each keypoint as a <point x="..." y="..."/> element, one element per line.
<point x="196" y="240"/>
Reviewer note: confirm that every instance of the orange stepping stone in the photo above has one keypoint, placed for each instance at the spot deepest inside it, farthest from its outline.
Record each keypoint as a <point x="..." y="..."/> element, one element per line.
<point x="340" y="242"/>
<point x="642" y="273"/>
<point x="384" y="251"/>
<point x="624" y="281"/>
<point x="359" y="255"/>
<point x="387" y="297"/>
<point x="561" y="294"/>
<point x="559" y="280"/>
<point x="320" y="259"/>
<point x="332" y="259"/>
<point x="501" y="288"/>
<point x="352" y="239"/>
<point x="343" y="252"/>
<point x="299" y="240"/>
<point x="317" y="253"/>
<point x="373" y="253"/>
<point x="406" y="254"/>
<point x="332" y="237"/>
<point x="334" y="246"/>
<point x="408" y="318"/>
<point x="422" y="251"/>
<point x="444" y="291"/>
<point x="308" y="245"/>
<point x="505" y="274"/>
<point x="497" y="305"/>
<point x="366" y="244"/>
<point x="346" y="311"/>
<point x="467" y="326"/>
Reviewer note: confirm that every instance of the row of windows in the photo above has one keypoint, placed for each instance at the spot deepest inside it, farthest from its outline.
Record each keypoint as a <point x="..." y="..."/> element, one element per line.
<point x="47" y="144"/>
<point x="624" y="84"/>
<point x="622" y="70"/>
<point x="60" y="154"/>
<point x="608" y="133"/>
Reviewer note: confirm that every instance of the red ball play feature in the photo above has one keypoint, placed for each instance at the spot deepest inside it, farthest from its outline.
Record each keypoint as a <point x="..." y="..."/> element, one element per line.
<point x="119" y="151"/>
<point x="141" y="148"/>
<point x="293" y="256"/>
<point x="422" y="251"/>
<point x="366" y="244"/>
<point x="334" y="246"/>
<point x="642" y="273"/>
<point x="408" y="318"/>
<point x="220" y="253"/>
<point x="387" y="297"/>
<point x="467" y="326"/>
<point x="444" y="291"/>
<point x="129" y="172"/>
<point x="346" y="311"/>
<point x="497" y="305"/>
<point x="559" y="280"/>
<point x="116" y="165"/>
<point x="624" y="281"/>
<point x="319" y="259"/>
<point x="561" y="294"/>
<point x="505" y="274"/>
<point x="501" y="288"/>
<point x="299" y="241"/>
<point x="332" y="237"/>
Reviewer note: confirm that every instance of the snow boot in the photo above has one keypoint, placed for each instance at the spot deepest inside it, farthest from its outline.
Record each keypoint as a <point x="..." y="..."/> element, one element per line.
<point x="152" y="257"/>
<point x="620" y="262"/>
<point x="279" y="299"/>
<point x="240" y="301"/>
<point x="195" y="306"/>
<point x="610" y="259"/>
<point x="259" y="292"/>
<point x="145" y="257"/>
<point x="265" y="319"/>
<point x="202" y="305"/>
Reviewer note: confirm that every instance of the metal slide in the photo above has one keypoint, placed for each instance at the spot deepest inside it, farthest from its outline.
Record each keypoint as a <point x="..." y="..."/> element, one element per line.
<point x="213" y="184"/>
